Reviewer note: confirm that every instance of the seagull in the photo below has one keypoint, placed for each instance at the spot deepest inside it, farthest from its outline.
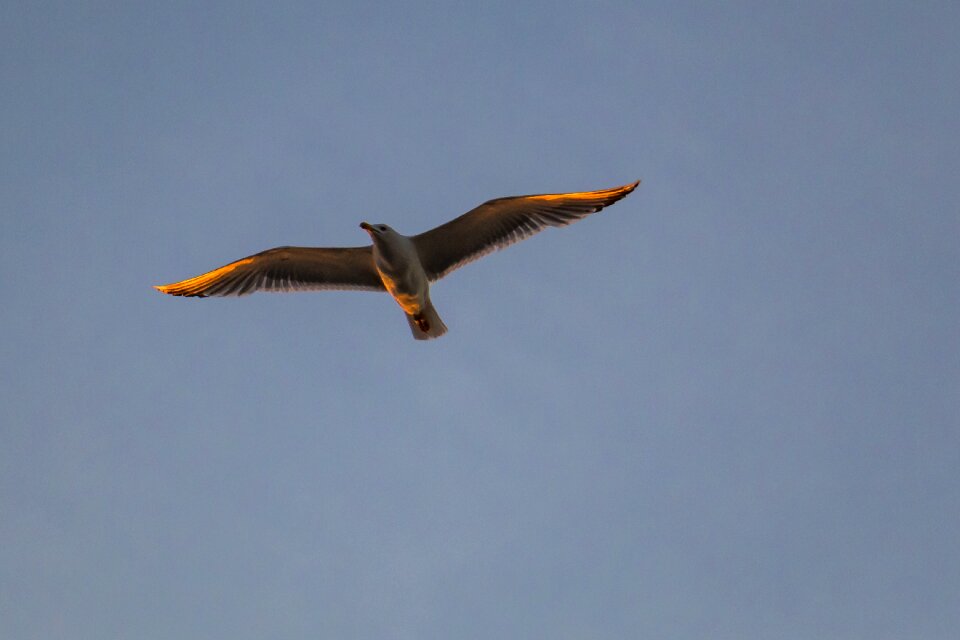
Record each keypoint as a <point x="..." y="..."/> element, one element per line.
<point x="403" y="266"/>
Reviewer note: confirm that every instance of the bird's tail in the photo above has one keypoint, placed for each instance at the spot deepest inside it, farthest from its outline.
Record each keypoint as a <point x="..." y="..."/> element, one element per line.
<point x="426" y="324"/>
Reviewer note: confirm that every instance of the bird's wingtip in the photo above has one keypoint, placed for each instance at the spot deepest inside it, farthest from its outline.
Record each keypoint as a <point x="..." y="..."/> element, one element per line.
<point x="625" y="189"/>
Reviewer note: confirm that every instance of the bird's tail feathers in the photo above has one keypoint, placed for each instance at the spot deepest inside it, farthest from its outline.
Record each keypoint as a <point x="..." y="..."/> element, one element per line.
<point x="426" y="324"/>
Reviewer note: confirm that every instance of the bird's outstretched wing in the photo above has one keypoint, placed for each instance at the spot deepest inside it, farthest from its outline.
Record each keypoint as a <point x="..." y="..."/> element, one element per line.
<point x="499" y="223"/>
<point x="285" y="269"/>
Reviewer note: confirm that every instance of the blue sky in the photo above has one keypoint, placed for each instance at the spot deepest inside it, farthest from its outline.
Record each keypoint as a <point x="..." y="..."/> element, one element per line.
<point x="726" y="407"/>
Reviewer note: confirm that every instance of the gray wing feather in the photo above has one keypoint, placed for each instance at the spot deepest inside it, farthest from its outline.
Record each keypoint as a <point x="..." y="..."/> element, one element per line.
<point x="499" y="223"/>
<point x="285" y="269"/>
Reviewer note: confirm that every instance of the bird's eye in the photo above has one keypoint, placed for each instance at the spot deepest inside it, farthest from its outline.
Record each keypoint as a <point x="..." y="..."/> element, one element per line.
<point x="382" y="228"/>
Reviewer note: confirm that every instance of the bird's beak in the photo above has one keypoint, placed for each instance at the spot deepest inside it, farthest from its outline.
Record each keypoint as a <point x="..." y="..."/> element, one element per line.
<point x="366" y="227"/>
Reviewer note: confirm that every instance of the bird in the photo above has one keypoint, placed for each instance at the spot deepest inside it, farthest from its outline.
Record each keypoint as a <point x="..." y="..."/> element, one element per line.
<point x="403" y="266"/>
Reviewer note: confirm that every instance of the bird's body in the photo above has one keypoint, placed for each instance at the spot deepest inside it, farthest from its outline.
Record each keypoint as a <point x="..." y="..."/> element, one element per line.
<point x="398" y="263"/>
<point x="403" y="266"/>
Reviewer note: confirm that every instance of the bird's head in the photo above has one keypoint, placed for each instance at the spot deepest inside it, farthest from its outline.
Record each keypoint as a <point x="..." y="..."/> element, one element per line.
<point x="377" y="231"/>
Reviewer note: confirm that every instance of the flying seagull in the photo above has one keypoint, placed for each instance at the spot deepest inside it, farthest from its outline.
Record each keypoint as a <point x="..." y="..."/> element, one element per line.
<point x="404" y="266"/>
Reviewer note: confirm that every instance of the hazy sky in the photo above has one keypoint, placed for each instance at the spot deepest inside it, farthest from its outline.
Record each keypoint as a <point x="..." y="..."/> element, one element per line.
<point x="726" y="407"/>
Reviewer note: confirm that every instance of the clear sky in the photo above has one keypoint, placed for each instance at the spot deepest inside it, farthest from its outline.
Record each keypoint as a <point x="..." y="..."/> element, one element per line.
<point x="726" y="407"/>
